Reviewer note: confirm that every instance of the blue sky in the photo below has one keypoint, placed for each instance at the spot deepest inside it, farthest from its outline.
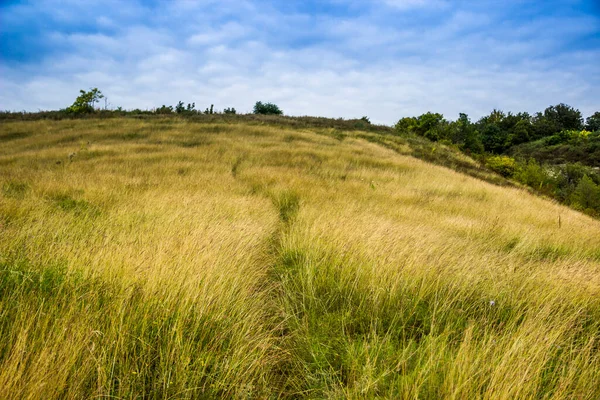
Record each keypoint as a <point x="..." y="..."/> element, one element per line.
<point x="336" y="58"/>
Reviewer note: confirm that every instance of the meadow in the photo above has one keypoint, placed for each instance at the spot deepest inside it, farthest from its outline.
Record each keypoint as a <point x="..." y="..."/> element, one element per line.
<point x="174" y="259"/>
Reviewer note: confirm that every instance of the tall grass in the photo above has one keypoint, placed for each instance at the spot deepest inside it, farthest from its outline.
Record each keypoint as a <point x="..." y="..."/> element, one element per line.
<point x="168" y="259"/>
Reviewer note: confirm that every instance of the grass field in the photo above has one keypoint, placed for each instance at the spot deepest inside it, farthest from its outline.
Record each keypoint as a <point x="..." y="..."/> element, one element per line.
<point x="168" y="259"/>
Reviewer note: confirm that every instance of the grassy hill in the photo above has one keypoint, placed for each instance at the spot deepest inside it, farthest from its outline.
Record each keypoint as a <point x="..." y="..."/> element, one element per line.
<point x="173" y="259"/>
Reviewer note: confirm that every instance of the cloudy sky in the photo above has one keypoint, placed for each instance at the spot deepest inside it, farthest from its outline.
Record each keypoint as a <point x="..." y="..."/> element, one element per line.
<point x="336" y="58"/>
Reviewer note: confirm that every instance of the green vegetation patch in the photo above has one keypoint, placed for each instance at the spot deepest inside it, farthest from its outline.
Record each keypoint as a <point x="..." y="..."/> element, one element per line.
<point x="212" y="129"/>
<point x="15" y="189"/>
<point x="67" y="203"/>
<point x="549" y="252"/>
<point x="19" y="276"/>
<point x="124" y="136"/>
<point x="288" y="205"/>
<point x="196" y="141"/>
<point x="150" y="346"/>
<point x="564" y="147"/>
<point x="339" y="323"/>
<point x="14" y="135"/>
<point x="93" y="154"/>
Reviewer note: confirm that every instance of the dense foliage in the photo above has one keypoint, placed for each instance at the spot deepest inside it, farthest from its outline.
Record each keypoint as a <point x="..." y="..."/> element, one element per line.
<point x="267" y="109"/>
<point x="553" y="151"/>
<point x="561" y="148"/>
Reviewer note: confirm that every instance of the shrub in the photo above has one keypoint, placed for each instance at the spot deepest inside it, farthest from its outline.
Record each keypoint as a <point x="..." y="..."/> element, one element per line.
<point x="406" y="125"/>
<point x="566" y="136"/>
<point x="164" y="110"/>
<point x="267" y="109"/>
<point x="536" y="176"/>
<point x="503" y="165"/>
<point x="586" y="195"/>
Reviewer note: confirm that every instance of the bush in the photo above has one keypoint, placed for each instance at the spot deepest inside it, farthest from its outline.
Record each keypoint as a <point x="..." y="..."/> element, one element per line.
<point x="502" y="165"/>
<point x="406" y="125"/>
<point x="85" y="101"/>
<point x="586" y="196"/>
<point x="566" y="136"/>
<point x="181" y="108"/>
<point x="536" y="176"/>
<point x="164" y="110"/>
<point x="267" y="109"/>
<point x="430" y="125"/>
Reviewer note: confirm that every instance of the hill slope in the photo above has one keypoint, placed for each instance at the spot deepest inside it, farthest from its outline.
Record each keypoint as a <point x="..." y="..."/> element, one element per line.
<point x="557" y="150"/>
<point x="170" y="259"/>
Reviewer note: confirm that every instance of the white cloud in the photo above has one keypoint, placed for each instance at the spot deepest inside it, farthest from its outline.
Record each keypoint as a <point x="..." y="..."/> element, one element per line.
<point x="230" y="31"/>
<point x="328" y="66"/>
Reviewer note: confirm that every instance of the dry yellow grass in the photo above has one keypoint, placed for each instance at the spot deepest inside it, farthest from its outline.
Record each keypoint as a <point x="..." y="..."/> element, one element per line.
<point x="168" y="259"/>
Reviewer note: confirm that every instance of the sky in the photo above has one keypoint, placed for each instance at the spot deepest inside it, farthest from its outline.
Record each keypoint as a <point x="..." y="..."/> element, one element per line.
<point x="385" y="59"/>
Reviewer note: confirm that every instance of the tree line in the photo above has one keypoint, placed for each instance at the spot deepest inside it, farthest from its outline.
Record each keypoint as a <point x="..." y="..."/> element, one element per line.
<point x="556" y="152"/>
<point x="86" y="103"/>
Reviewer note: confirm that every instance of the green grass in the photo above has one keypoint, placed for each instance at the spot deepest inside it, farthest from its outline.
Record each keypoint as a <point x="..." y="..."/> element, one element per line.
<point x="263" y="261"/>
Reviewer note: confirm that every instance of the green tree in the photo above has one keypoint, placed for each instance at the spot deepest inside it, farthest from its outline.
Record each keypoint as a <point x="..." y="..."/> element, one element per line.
<point x="500" y="131"/>
<point x="593" y="122"/>
<point x="267" y="109"/>
<point x="428" y="125"/>
<point x="465" y="134"/>
<point x="407" y="125"/>
<point x="494" y="139"/>
<point x="85" y="101"/>
<point x="555" y="119"/>
<point x="495" y="117"/>
<point x="564" y="117"/>
<point x="543" y="127"/>
<point x="518" y="127"/>
<point x="521" y="131"/>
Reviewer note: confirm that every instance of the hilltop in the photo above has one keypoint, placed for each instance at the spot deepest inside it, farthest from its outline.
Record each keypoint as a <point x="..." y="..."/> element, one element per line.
<point x="174" y="258"/>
